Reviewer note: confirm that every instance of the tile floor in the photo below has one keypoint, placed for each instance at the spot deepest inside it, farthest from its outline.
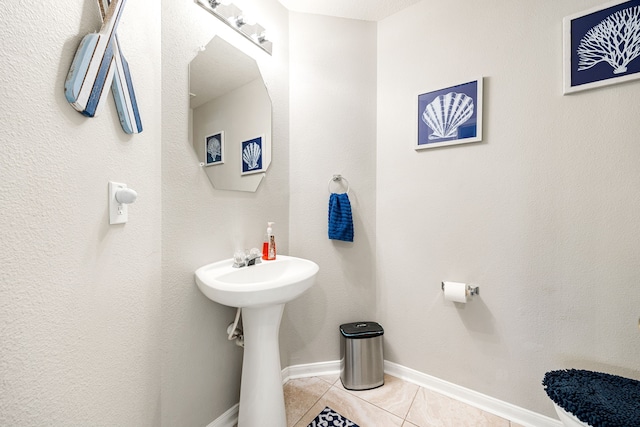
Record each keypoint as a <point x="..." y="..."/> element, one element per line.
<point x="396" y="403"/>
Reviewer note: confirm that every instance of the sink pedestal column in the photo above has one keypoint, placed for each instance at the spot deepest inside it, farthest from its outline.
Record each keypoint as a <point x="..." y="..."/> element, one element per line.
<point x="261" y="393"/>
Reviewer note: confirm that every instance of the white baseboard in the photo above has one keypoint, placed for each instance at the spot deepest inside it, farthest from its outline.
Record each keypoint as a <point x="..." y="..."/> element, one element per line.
<point x="228" y="419"/>
<point x="310" y="370"/>
<point x="497" y="407"/>
<point x="490" y="404"/>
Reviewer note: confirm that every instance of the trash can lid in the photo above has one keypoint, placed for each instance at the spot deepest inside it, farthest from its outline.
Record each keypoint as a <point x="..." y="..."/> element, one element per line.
<point x="361" y="330"/>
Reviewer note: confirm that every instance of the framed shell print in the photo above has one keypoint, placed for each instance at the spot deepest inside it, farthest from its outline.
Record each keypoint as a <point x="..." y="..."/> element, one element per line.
<point x="452" y="115"/>
<point x="252" y="155"/>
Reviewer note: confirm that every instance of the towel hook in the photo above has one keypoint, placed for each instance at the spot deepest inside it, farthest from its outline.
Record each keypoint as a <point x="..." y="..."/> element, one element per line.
<point x="338" y="178"/>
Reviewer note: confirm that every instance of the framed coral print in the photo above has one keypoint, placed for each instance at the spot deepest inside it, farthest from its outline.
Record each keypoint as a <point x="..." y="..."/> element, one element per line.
<point x="214" y="149"/>
<point x="252" y="156"/>
<point x="449" y="116"/>
<point x="602" y="46"/>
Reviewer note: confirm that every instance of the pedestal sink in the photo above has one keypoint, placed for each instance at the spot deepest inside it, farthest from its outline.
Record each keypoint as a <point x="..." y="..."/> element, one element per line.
<point x="261" y="291"/>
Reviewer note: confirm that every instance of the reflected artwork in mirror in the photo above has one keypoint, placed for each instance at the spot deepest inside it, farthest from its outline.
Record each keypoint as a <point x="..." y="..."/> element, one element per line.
<point x="214" y="149"/>
<point x="230" y="114"/>
<point x="252" y="153"/>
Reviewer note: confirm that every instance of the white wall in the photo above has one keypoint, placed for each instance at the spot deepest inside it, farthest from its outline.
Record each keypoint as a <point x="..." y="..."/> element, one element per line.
<point x="200" y="368"/>
<point x="333" y="114"/>
<point x="79" y="299"/>
<point x="542" y="214"/>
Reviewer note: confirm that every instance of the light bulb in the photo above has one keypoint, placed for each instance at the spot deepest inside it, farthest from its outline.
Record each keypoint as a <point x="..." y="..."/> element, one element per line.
<point x="216" y="3"/>
<point x="236" y="21"/>
<point x="248" y="19"/>
<point x="259" y="37"/>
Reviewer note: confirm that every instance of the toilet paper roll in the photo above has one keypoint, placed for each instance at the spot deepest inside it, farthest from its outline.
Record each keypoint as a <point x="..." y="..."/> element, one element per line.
<point x="455" y="291"/>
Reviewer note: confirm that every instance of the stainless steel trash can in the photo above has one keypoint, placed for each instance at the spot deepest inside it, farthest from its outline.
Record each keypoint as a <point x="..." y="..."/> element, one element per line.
<point x="361" y="358"/>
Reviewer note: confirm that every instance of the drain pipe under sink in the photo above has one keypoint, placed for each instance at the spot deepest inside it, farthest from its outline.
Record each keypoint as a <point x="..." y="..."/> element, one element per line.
<point x="234" y="332"/>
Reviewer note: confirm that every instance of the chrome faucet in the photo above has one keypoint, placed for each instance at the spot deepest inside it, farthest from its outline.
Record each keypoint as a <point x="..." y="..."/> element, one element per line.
<point x="247" y="258"/>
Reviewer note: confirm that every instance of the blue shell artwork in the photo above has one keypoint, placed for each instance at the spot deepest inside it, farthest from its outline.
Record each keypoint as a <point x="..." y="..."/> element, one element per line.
<point x="98" y="63"/>
<point x="450" y="115"/>
<point x="446" y="113"/>
<point x="252" y="156"/>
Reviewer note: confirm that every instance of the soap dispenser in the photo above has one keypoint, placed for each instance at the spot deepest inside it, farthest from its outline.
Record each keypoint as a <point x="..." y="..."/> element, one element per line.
<point x="269" y="246"/>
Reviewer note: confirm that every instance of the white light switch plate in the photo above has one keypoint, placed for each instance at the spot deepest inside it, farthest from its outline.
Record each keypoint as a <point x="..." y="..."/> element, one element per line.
<point x="118" y="212"/>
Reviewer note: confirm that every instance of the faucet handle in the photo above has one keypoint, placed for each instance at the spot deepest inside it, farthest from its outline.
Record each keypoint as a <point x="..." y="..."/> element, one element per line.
<point x="255" y="252"/>
<point x="239" y="258"/>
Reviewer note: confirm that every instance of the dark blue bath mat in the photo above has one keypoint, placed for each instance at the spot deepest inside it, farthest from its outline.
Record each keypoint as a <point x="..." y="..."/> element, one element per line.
<point x="330" y="418"/>
<point x="601" y="400"/>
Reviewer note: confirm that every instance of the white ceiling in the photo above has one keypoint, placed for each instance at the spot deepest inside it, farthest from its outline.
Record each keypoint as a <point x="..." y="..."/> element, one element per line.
<point x="368" y="10"/>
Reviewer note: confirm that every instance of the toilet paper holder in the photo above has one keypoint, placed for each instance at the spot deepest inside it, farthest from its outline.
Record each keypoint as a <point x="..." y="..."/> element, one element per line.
<point x="471" y="290"/>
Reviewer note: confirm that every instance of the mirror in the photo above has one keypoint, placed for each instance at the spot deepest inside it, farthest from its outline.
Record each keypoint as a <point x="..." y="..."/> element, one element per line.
<point x="230" y="113"/>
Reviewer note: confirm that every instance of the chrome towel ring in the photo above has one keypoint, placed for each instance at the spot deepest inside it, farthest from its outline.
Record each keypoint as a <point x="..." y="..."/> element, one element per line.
<point x="337" y="178"/>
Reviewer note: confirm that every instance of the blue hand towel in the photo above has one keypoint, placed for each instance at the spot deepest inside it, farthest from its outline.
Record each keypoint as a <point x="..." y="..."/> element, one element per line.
<point x="340" y="219"/>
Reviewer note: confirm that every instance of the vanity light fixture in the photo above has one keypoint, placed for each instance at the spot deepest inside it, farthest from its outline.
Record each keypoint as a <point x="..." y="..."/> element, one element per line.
<point x="231" y="15"/>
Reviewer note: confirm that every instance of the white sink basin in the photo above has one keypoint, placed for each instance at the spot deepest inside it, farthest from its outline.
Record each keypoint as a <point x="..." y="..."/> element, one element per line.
<point x="267" y="283"/>
<point x="261" y="291"/>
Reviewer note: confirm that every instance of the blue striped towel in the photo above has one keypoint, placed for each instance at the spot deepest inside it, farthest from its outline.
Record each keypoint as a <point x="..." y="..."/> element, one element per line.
<point x="340" y="218"/>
